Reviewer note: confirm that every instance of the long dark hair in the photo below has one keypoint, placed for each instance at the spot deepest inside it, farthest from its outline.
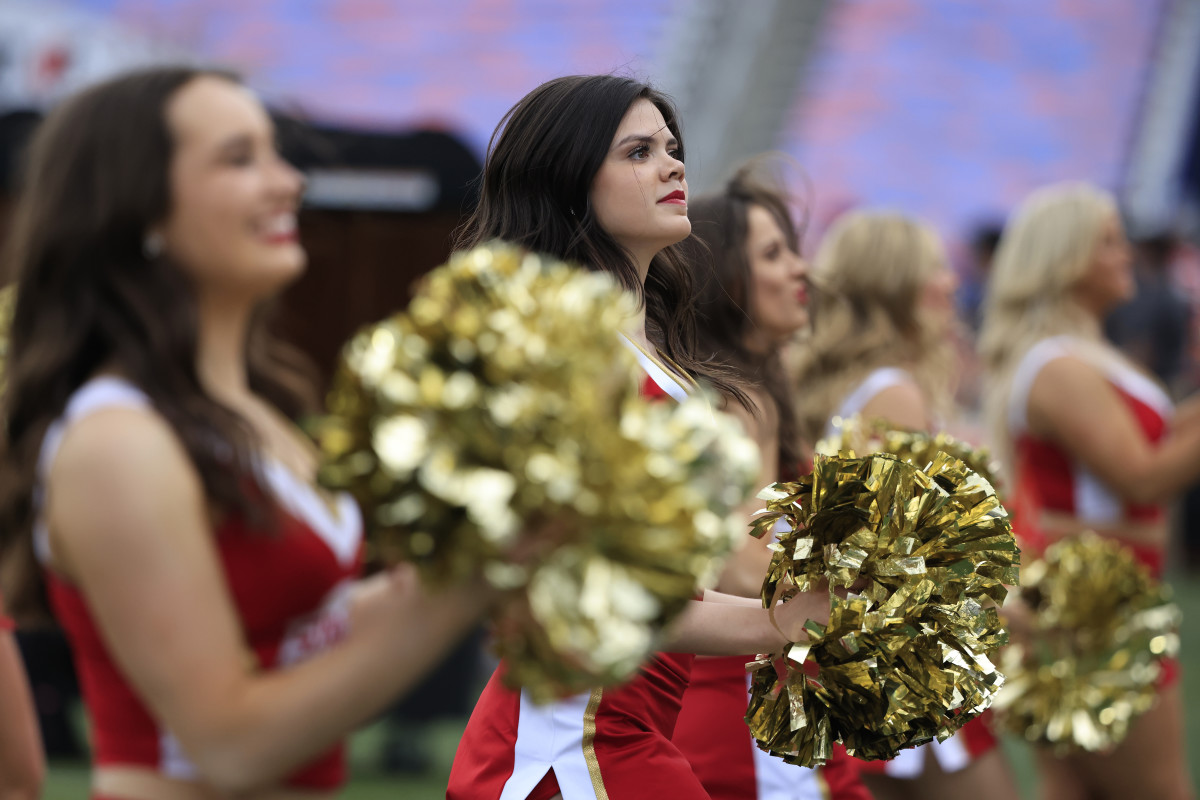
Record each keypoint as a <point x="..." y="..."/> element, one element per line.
<point x="90" y="298"/>
<point x="720" y="228"/>
<point x="541" y="162"/>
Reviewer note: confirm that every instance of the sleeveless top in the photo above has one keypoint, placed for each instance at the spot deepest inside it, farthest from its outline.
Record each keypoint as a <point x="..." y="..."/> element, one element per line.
<point x="289" y="587"/>
<point x="1049" y="479"/>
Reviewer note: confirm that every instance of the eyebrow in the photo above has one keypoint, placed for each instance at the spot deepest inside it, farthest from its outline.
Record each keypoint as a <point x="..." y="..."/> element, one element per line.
<point x="644" y="138"/>
<point x="235" y="141"/>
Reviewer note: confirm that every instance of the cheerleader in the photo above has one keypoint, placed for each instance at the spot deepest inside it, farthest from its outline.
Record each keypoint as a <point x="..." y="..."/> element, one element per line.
<point x="153" y="476"/>
<point x="590" y="169"/>
<point x="753" y="301"/>
<point x="881" y="348"/>
<point x="1093" y="442"/>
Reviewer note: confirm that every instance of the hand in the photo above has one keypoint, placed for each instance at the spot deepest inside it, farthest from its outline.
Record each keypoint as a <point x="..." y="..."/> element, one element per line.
<point x="791" y="615"/>
<point x="541" y="537"/>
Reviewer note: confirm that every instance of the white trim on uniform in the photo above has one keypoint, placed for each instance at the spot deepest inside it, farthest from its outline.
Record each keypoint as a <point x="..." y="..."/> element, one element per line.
<point x="664" y="379"/>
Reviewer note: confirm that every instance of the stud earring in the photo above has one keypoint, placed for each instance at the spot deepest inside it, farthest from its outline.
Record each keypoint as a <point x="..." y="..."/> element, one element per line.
<point x="152" y="246"/>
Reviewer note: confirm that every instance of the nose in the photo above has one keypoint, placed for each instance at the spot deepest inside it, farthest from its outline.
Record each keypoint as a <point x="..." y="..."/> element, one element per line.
<point x="674" y="169"/>
<point x="288" y="181"/>
<point x="799" y="267"/>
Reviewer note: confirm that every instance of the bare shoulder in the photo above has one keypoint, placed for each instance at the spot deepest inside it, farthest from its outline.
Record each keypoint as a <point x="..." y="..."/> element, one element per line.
<point x="120" y="480"/>
<point x="901" y="404"/>
<point x="1067" y="393"/>
<point x="112" y="445"/>
<point x="1067" y="374"/>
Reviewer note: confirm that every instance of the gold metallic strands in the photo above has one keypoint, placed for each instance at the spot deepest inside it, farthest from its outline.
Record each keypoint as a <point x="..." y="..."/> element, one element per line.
<point x="503" y="401"/>
<point x="856" y="436"/>
<point x="906" y="658"/>
<point x="1102" y="627"/>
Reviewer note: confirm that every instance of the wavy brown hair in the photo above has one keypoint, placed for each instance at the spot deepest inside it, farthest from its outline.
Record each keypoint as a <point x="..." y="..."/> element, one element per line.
<point x="720" y="227"/>
<point x="89" y="299"/>
<point x="535" y="187"/>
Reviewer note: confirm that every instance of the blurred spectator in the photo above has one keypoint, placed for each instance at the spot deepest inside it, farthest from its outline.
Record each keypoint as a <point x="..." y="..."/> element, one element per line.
<point x="973" y="286"/>
<point x="1152" y="328"/>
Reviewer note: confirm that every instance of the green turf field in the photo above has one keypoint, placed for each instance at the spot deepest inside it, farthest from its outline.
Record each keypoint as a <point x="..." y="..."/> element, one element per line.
<point x="68" y="781"/>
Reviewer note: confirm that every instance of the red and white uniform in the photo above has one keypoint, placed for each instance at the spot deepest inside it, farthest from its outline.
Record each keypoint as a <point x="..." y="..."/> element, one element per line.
<point x="289" y="587"/>
<point x="1049" y="479"/>
<point x="609" y="743"/>
<point x="712" y="734"/>
<point x="975" y="738"/>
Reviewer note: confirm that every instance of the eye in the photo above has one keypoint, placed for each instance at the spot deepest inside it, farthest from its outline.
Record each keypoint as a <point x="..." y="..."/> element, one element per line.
<point x="675" y="153"/>
<point x="640" y="153"/>
<point x="239" y="155"/>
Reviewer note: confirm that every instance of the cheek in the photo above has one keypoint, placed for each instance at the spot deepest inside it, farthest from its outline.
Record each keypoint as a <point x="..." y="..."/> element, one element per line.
<point x="615" y="190"/>
<point x="771" y="295"/>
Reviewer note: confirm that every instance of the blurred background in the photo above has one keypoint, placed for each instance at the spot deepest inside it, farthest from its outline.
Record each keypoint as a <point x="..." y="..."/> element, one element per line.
<point x="948" y="110"/>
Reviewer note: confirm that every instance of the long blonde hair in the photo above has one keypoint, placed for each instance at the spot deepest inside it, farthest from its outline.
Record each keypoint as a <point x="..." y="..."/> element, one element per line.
<point x="868" y="275"/>
<point x="1046" y="250"/>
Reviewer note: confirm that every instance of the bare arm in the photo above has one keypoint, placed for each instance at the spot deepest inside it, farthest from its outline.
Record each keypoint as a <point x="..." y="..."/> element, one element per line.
<point x="747" y="567"/>
<point x="726" y="625"/>
<point x="1072" y="404"/>
<point x="22" y="765"/>
<point x="129" y="525"/>
<point x="901" y="405"/>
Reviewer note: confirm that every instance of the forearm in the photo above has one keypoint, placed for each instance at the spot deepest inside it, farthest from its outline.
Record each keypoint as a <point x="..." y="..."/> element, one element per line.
<point x="746" y="570"/>
<point x="1057" y="526"/>
<point x="725" y="625"/>
<point x="1169" y="470"/>
<point x="281" y="719"/>
<point x="723" y="629"/>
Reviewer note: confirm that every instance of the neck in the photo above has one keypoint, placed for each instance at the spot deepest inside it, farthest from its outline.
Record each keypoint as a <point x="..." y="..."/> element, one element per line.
<point x="637" y="328"/>
<point x="1093" y="319"/>
<point x="221" y="349"/>
<point x="758" y="344"/>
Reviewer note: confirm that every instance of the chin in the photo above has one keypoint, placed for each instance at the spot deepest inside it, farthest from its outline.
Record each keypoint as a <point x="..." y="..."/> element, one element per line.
<point x="272" y="278"/>
<point x="677" y="233"/>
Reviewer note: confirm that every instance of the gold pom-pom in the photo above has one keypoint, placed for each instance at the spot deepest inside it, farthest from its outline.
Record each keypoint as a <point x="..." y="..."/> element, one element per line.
<point x="856" y="436"/>
<point x="504" y="399"/>
<point x="906" y="658"/>
<point x="1102" y="627"/>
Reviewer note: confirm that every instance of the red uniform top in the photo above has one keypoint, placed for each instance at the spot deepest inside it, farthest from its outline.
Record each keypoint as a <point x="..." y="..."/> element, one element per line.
<point x="612" y="742"/>
<point x="1049" y="479"/>
<point x="289" y="588"/>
